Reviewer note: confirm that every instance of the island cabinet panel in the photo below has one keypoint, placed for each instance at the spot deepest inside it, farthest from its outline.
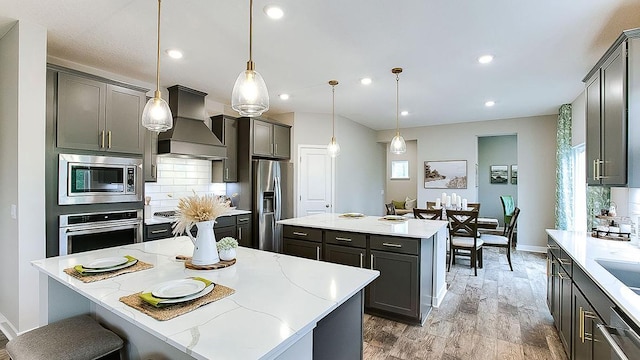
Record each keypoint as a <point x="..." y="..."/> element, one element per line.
<point x="302" y="248"/>
<point x="396" y="290"/>
<point x="346" y="238"/>
<point x="243" y="225"/>
<point x="345" y="255"/>
<point x="303" y="233"/>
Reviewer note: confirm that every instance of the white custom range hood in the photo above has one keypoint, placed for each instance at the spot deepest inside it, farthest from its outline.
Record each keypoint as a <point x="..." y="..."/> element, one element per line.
<point x="189" y="137"/>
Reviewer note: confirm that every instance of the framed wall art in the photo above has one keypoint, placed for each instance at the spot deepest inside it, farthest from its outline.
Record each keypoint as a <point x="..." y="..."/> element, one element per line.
<point x="514" y="174"/>
<point x="499" y="174"/>
<point x="445" y="174"/>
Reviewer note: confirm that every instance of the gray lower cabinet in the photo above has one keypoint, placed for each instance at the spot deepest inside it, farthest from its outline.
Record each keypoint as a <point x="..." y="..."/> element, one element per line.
<point x="99" y="116"/>
<point x="345" y="255"/>
<point x="302" y="242"/>
<point x="157" y="231"/>
<point x="396" y="290"/>
<point x="243" y="229"/>
<point x="225" y="226"/>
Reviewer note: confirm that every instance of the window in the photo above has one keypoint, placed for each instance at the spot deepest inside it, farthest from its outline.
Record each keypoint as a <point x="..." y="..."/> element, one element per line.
<point x="579" y="189"/>
<point x="399" y="169"/>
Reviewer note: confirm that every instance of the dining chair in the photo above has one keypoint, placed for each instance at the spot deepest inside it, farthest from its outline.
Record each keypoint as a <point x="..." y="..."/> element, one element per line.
<point x="391" y="210"/>
<point x="508" y="206"/>
<point x="463" y="234"/>
<point x="427" y="214"/>
<point x="505" y="241"/>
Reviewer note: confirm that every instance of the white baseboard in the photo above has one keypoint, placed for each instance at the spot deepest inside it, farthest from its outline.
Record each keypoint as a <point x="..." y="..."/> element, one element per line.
<point x="7" y="328"/>
<point x="531" y="248"/>
<point x="435" y="302"/>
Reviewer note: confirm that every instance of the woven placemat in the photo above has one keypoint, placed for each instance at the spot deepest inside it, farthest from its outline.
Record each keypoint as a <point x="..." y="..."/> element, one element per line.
<point x="219" y="265"/>
<point x="140" y="265"/>
<point x="170" y="311"/>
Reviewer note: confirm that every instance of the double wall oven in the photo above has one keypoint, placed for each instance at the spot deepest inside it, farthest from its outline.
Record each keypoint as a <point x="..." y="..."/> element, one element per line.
<point x="100" y="202"/>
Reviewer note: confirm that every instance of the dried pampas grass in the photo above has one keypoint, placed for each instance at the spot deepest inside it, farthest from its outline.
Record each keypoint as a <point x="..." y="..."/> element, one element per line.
<point x="193" y="209"/>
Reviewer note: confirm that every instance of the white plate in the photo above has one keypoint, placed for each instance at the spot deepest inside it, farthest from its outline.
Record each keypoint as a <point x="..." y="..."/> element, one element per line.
<point x="394" y="217"/>
<point x="177" y="288"/>
<point x="202" y="293"/>
<point x="106" y="263"/>
<point x="353" y="215"/>
<point x="125" y="265"/>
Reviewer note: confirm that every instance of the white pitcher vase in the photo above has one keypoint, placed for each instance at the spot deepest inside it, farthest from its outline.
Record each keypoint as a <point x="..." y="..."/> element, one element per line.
<point x="205" y="251"/>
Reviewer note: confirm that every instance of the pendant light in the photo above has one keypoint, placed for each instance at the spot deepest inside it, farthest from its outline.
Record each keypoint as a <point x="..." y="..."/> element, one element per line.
<point x="250" y="96"/>
<point x="333" y="148"/>
<point x="398" y="146"/>
<point x="156" y="115"/>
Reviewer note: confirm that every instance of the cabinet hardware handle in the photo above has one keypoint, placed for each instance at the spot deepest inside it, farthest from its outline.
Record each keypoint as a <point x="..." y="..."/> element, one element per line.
<point x="102" y="139"/>
<point x="244" y="220"/>
<point x="392" y="245"/>
<point x="159" y="231"/>
<point x="299" y="233"/>
<point x="564" y="261"/>
<point x="342" y="239"/>
<point x="318" y="253"/>
<point x="588" y="315"/>
<point x="154" y="171"/>
<point x="271" y="148"/>
<point x="595" y="169"/>
<point x="581" y="324"/>
<point x="548" y="267"/>
<point x="614" y="346"/>
<point x="552" y="247"/>
<point x="562" y="276"/>
<point x="361" y="259"/>
<point x="226" y="175"/>
<point x="276" y="149"/>
<point x="240" y="233"/>
<point x="109" y="138"/>
<point x="371" y="261"/>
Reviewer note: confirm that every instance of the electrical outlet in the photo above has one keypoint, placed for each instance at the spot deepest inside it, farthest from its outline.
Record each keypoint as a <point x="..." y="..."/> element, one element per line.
<point x="14" y="211"/>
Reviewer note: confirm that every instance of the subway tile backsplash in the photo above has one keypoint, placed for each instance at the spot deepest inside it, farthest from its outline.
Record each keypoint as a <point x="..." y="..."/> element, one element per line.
<point x="178" y="178"/>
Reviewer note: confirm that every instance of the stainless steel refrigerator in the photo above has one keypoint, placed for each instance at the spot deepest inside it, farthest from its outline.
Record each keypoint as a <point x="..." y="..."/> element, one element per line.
<point x="272" y="201"/>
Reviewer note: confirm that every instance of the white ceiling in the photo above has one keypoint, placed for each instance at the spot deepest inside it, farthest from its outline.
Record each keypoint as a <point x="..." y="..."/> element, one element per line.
<point x="542" y="50"/>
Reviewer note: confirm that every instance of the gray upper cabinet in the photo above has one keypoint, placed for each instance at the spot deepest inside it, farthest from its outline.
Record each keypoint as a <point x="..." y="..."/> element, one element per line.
<point x="612" y="100"/>
<point x="226" y="129"/>
<point x="151" y="157"/>
<point x="96" y="115"/>
<point x="271" y="140"/>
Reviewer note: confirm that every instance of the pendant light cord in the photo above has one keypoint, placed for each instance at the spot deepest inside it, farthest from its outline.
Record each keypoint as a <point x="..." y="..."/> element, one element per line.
<point x="397" y="103"/>
<point x="250" y="65"/>
<point x="333" y="111"/>
<point x="157" y="93"/>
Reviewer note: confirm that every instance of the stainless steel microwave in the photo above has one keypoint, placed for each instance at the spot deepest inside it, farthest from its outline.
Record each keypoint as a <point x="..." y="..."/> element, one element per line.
<point x="88" y="179"/>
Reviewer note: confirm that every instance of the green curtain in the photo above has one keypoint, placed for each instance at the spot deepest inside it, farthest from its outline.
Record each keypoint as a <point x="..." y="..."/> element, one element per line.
<point x="564" y="170"/>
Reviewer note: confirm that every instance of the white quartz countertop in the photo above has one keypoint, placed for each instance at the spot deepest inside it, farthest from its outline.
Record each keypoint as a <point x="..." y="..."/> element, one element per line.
<point x="413" y="228"/>
<point x="162" y="220"/>
<point x="585" y="249"/>
<point x="278" y="298"/>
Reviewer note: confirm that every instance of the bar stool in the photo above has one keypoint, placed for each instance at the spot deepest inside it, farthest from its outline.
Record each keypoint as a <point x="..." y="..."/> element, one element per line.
<point x="75" y="338"/>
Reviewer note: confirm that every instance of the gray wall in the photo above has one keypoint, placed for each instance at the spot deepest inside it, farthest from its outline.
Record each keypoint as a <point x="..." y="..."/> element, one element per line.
<point x="536" y="165"/>
<point x="23" y="51"/>
<point x="495" y="150"/>
<point x="360" y="167"/>
<point x="399" y="189"/>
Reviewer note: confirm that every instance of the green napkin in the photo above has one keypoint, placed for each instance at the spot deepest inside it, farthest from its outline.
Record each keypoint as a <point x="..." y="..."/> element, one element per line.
<point x="80" y="269"/>
<point x="157" y="302"/>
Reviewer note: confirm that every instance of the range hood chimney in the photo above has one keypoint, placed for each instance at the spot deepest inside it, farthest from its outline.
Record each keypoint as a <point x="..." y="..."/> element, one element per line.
<point x="189" y="136"/>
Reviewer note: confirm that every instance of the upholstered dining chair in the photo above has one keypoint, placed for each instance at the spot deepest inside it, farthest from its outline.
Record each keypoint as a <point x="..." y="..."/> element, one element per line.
<point x="427" y="214"/>
<point x="508" y="206"/>
<point x="505" y="241"/>
<point x="463" y="234"/>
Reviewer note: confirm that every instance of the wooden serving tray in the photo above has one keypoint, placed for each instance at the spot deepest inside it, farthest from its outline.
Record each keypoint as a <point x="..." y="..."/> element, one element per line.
<point x="219" y="265"/>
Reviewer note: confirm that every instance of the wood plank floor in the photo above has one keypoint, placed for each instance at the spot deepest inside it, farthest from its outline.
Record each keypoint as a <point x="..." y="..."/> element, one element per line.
<point x="499" y="314"/>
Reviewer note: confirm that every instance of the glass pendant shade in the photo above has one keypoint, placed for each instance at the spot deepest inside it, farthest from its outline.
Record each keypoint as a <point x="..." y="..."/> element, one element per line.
<point x="333" y="148"/>
<point x="156" y="115"/>
<point x="250" y="96"/>
<point x="398" y="146"/>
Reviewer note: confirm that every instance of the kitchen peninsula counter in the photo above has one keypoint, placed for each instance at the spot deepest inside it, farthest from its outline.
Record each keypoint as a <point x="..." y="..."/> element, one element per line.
<point x="281" y="307"/>
<point x="409" y="253"/>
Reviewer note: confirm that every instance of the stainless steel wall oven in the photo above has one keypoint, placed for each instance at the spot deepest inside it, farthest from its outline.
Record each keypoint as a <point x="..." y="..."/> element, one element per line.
<point x="89" y="179"/>
<point x="91" y="231"/>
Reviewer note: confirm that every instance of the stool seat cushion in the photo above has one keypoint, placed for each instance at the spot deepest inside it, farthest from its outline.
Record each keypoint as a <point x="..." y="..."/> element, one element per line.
<point x="75" y="338"/>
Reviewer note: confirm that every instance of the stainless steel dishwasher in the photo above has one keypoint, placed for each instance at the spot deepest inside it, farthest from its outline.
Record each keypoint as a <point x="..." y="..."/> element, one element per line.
<point x="621" y="336"/>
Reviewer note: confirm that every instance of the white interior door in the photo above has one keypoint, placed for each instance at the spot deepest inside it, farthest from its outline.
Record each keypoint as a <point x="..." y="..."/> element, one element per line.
<point x="315" y="181"/>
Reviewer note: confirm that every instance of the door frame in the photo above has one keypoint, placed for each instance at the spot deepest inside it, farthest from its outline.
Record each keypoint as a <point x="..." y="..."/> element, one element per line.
<point x="299" y="176"/>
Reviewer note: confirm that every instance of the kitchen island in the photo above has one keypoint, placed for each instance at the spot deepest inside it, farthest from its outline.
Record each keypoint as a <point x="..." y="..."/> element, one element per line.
<point x="283" y="307"/>
<point x="409" y="253"/>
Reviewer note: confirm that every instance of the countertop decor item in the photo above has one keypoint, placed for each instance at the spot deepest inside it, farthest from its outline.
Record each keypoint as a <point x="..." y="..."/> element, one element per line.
<point x="156" y="115"/>
<point x="227" y="248"/>
<point x="202" y="212"/>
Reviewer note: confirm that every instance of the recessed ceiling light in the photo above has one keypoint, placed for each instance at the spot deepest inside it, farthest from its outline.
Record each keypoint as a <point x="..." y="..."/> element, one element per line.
<point x="274" y="12"/>
<point x="485" y="59"/>
<point x="284" y="96"/>
<point x="365" y="81"/>
<point x="489" y="103"/>
<point x="404" y="113"/>
<point x="174" y="53"/>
